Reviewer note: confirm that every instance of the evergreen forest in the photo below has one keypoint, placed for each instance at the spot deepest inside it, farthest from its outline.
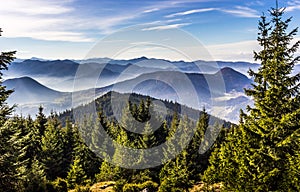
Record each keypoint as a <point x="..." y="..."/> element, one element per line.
<point x="70" y="152"/>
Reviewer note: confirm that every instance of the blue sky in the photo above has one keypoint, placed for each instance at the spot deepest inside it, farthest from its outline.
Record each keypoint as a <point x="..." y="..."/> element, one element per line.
<point x="61" y="29"/>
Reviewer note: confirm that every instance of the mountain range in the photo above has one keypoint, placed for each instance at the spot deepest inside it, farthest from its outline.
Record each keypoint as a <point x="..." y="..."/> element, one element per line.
<point x="63" y="84"/>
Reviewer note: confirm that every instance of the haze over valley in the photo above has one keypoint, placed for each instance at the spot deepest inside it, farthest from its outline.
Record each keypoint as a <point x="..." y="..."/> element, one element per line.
<point x="53" y="83"/>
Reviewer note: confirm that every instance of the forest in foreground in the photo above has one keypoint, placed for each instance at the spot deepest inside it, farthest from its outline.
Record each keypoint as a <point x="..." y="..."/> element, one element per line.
<point x="262" y="153"/>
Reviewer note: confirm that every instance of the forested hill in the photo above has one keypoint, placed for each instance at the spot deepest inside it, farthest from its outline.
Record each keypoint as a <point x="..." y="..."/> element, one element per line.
<point x="112" y="104"/>
<point x="144" y="143"/>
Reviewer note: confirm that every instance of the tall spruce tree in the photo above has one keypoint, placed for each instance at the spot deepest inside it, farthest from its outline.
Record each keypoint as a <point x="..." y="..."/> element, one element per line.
<point x="198" y="162"/>
<point x="260" y="153"/>
<point x="175" y="174"/>
<point x="76" y="175"/>
<point x="8" y="166"/>
<point x="53" y="151"/>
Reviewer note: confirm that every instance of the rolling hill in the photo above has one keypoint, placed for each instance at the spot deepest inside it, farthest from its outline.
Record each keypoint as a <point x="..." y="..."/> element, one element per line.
<point x="113" y="110"/>
<point x="29" y="94"/>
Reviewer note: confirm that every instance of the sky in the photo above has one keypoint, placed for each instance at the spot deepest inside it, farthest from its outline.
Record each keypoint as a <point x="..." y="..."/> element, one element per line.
<point x="70" y="29"/>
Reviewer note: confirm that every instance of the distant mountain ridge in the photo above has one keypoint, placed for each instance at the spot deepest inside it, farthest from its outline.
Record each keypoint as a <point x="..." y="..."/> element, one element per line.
<point x="233" y="81"/>
<point x="69" y="67"/>
<point x="118" y="75"/>
<point x="29" y="94"/>
<point x="29" y="90"/>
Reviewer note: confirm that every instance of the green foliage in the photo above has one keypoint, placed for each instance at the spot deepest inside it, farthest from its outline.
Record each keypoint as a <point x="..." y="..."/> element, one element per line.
<point x="89" y="162"/>
<point x="76" y="175"/>
<point x="260" y="154"/>
<point x="82" y="189"/>
<point x="8" y="151"/>
<point x="71" y="140"/>
<point x="106" y="172"/>
<point x="52" y="150"/>
<point x="5" y="59"/>
<point x="60" y="185"/>
<point x="134" y="187"/>
<point x="175" y="174"/>
<point x="35" y="179"/>
<point x="118" y="187"/>
<point x="292" y="180"/>
<point x="199" y="162"/>
<point x="223" y="164"/>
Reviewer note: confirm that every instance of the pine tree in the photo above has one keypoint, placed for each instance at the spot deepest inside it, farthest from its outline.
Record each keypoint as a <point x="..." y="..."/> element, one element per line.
<point x="223" y="161"/>
<point x="170" y="149"/>
<point x="176" y="174"/>
<point x="88" y="160"/>
<point x="32" y="141"/>
<point x="53" y="151"/>
<point x="262" y="147"/>
<point x="142" y="113"/>
<point x="40" y="122"/>
<point x="5" y="59"/>
<point x="35" y="179"/>
<point x="8" y="166"/>
<point x="71" y="140"/>
<point x="10" y="154"/>
<point x="148" y="138"/>
<point x="128" y="122"/>
<point x="76" y="175"/>
<point x="198" y="162"/>
<point x="106" y="172"/>
<point x="99" y="139"/>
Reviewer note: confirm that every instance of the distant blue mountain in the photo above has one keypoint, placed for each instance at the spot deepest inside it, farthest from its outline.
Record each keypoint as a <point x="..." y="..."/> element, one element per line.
<point x="156" y="84"/>
<point x="119" y="75"/>
<point x="28" y="90"/>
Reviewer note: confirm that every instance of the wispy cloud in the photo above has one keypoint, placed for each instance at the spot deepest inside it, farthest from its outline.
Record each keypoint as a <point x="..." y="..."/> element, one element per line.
<point x="254" y="3"/>
<point x="167" y="4"/>
<point x="151" y="10"/>
<point x="238" y="11"/>
<point x="109" y="24"/>
<point x="38" y="19"/>
<point x="35" y="7"/>
<point x="173" y="20"/>
<point x="191" y="12"/>
<point x="162" y="22"/>
<point x="241" y="11"/>
<point x="293" y="2"/>
<point x="55" y="20"/>
<point x="293" y="5"/>
<point x="166" y="27"/>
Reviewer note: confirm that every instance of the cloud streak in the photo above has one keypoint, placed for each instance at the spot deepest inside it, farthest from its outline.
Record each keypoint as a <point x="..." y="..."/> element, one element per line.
<point x="151" y="10"/>
<point x="56" y="20"/>
<point x="190" y="12"/>
<point x="238" y="11"/>
<point x="166" y="27"/>
<point x="241" y="11"/>
<point x="293" y="6"/>
<point x="38" y="19"/>
<point x="35" y="7"/>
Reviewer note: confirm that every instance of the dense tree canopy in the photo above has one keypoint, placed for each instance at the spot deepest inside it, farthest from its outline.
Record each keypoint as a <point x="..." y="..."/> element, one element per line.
<point x="260" y="155"/>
